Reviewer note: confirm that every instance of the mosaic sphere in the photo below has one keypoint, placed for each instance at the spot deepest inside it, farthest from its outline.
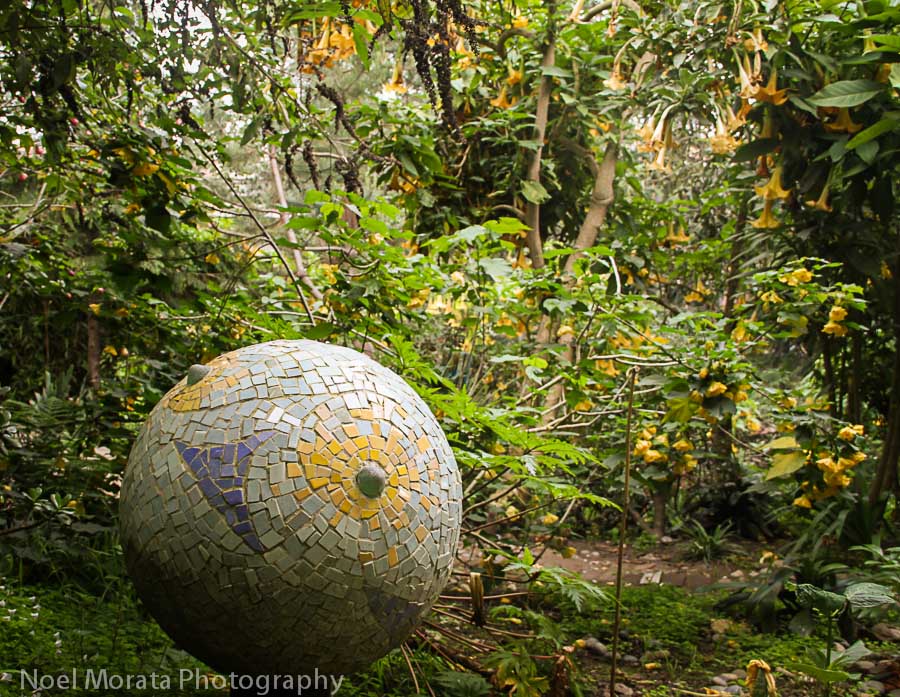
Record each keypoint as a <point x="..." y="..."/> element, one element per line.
<point x="290" y="506"/>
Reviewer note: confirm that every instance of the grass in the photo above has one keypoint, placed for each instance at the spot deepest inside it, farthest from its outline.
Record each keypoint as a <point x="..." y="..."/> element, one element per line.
<point x="51" y="629"/>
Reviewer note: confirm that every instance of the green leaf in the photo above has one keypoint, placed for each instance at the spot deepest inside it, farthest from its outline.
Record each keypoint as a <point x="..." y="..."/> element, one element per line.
<point x="783" y="443"/>
<point x="495" y="267"/>
<point x="883" y="126"/>
<point x="846" y="93"/>
<point x="505" y="226"/>
<point x="534" y="192"/>
<point x="313" y="10"/>
<point x="821" y="674"/>
<point x="868" y="595"/>
<point x="786" y="463"/>
<point x="321" y="331"/>
<point x="820" y="599"/>
<point x="892" y="41"/>
<point x="555" y="71"/>
<point x="251" y="130"/>
<point x="681" y="409"/>
<point x="361" y="41"/>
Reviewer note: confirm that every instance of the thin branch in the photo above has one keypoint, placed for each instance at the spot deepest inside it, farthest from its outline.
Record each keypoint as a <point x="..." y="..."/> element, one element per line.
<point x="263" y="230"/>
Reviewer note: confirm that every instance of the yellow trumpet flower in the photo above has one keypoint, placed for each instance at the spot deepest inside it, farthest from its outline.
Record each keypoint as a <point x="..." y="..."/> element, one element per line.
<point x="770" y="93"/>
<point x="766" y="220"/>
<point x="843" y="123"/>
<point x="772" y="189"/>
<point x="501" y="101"/>
<point x="821" y="203"/>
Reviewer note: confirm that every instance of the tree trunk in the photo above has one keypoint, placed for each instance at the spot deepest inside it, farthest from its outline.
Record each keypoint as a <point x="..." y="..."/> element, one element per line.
<point x="93" y="350"/>
<point x="541" y="114"/>
<point x="299" y="266"/>
<point x="660" y="499"/>
<point x="602" y="196"/>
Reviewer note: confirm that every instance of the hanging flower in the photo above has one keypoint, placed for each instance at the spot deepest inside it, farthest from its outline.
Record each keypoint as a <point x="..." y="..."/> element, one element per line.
<point x="755" y="41"/>
<point x="716" y="388"/>
<point x="395" y="84"/>
<point x="748" y="77"/>
<point x="837" y="313"/>
<point x="723" y="143"/>
<point x="642" y="446"/>
<point x="766" y="220"/>
<point x="501" y="101"/>
<point x="843" y="123"/>
<point x="662" y="141"/>
<point x="646" y="134"/>
<point x="802" y="502"/>
<point x="698" y="294"/>
<point x="796" y="277"/>
<point x="770" y="93"/>
<point x="514" y="77"/>
<point x="821" y="204"/>
<point x="677" y="237"/>
<point x="652" y="456"/>
<point x="735" y="121"/>
<point x="848" y="433"/>
<point x="773" y="189"/>
<point x="616" y="81"/>
<point x="834" y="329"/>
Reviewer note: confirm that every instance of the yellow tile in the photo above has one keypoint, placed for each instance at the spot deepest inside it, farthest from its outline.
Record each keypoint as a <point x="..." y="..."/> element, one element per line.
<point x="302" y="494"/>
<point x="318" y="482"/>
<point x="293" y="469"/>
<point x="335" y="519"/>
<point x="423" y="443"/>
<point x="392" y="557"/>
<point x="421" y="533"/>
<point x="276" y="490"/>
<point x="365" y="557"/>
<point x="374" y="524"/>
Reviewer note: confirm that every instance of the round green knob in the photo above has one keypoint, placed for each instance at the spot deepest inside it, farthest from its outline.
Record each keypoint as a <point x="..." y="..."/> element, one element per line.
<point x="371" y="480"/>
<point x="196" y="373"/>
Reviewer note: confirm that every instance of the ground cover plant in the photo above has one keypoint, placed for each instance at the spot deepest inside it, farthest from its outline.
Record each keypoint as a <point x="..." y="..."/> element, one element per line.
<point x="640" y="252"/>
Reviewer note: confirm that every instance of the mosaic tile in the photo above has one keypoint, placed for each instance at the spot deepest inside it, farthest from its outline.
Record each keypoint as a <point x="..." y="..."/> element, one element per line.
<point x="290" y="506"/>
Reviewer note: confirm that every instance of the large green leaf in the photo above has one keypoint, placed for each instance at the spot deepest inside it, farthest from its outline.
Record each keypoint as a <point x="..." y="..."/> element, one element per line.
<point x="786" y="463"/>
<point x="883" y="126"/>
<point x="868" y="595"/>
<point x="821" y="674"/>
<point x="892" y="41"/>
<point x="820" y="599"/>
<point x="846" y="93"/>
<point x="535" y="192"/>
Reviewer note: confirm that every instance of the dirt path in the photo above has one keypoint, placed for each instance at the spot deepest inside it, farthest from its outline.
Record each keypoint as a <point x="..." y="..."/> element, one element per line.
<point x="596" y="561"/>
